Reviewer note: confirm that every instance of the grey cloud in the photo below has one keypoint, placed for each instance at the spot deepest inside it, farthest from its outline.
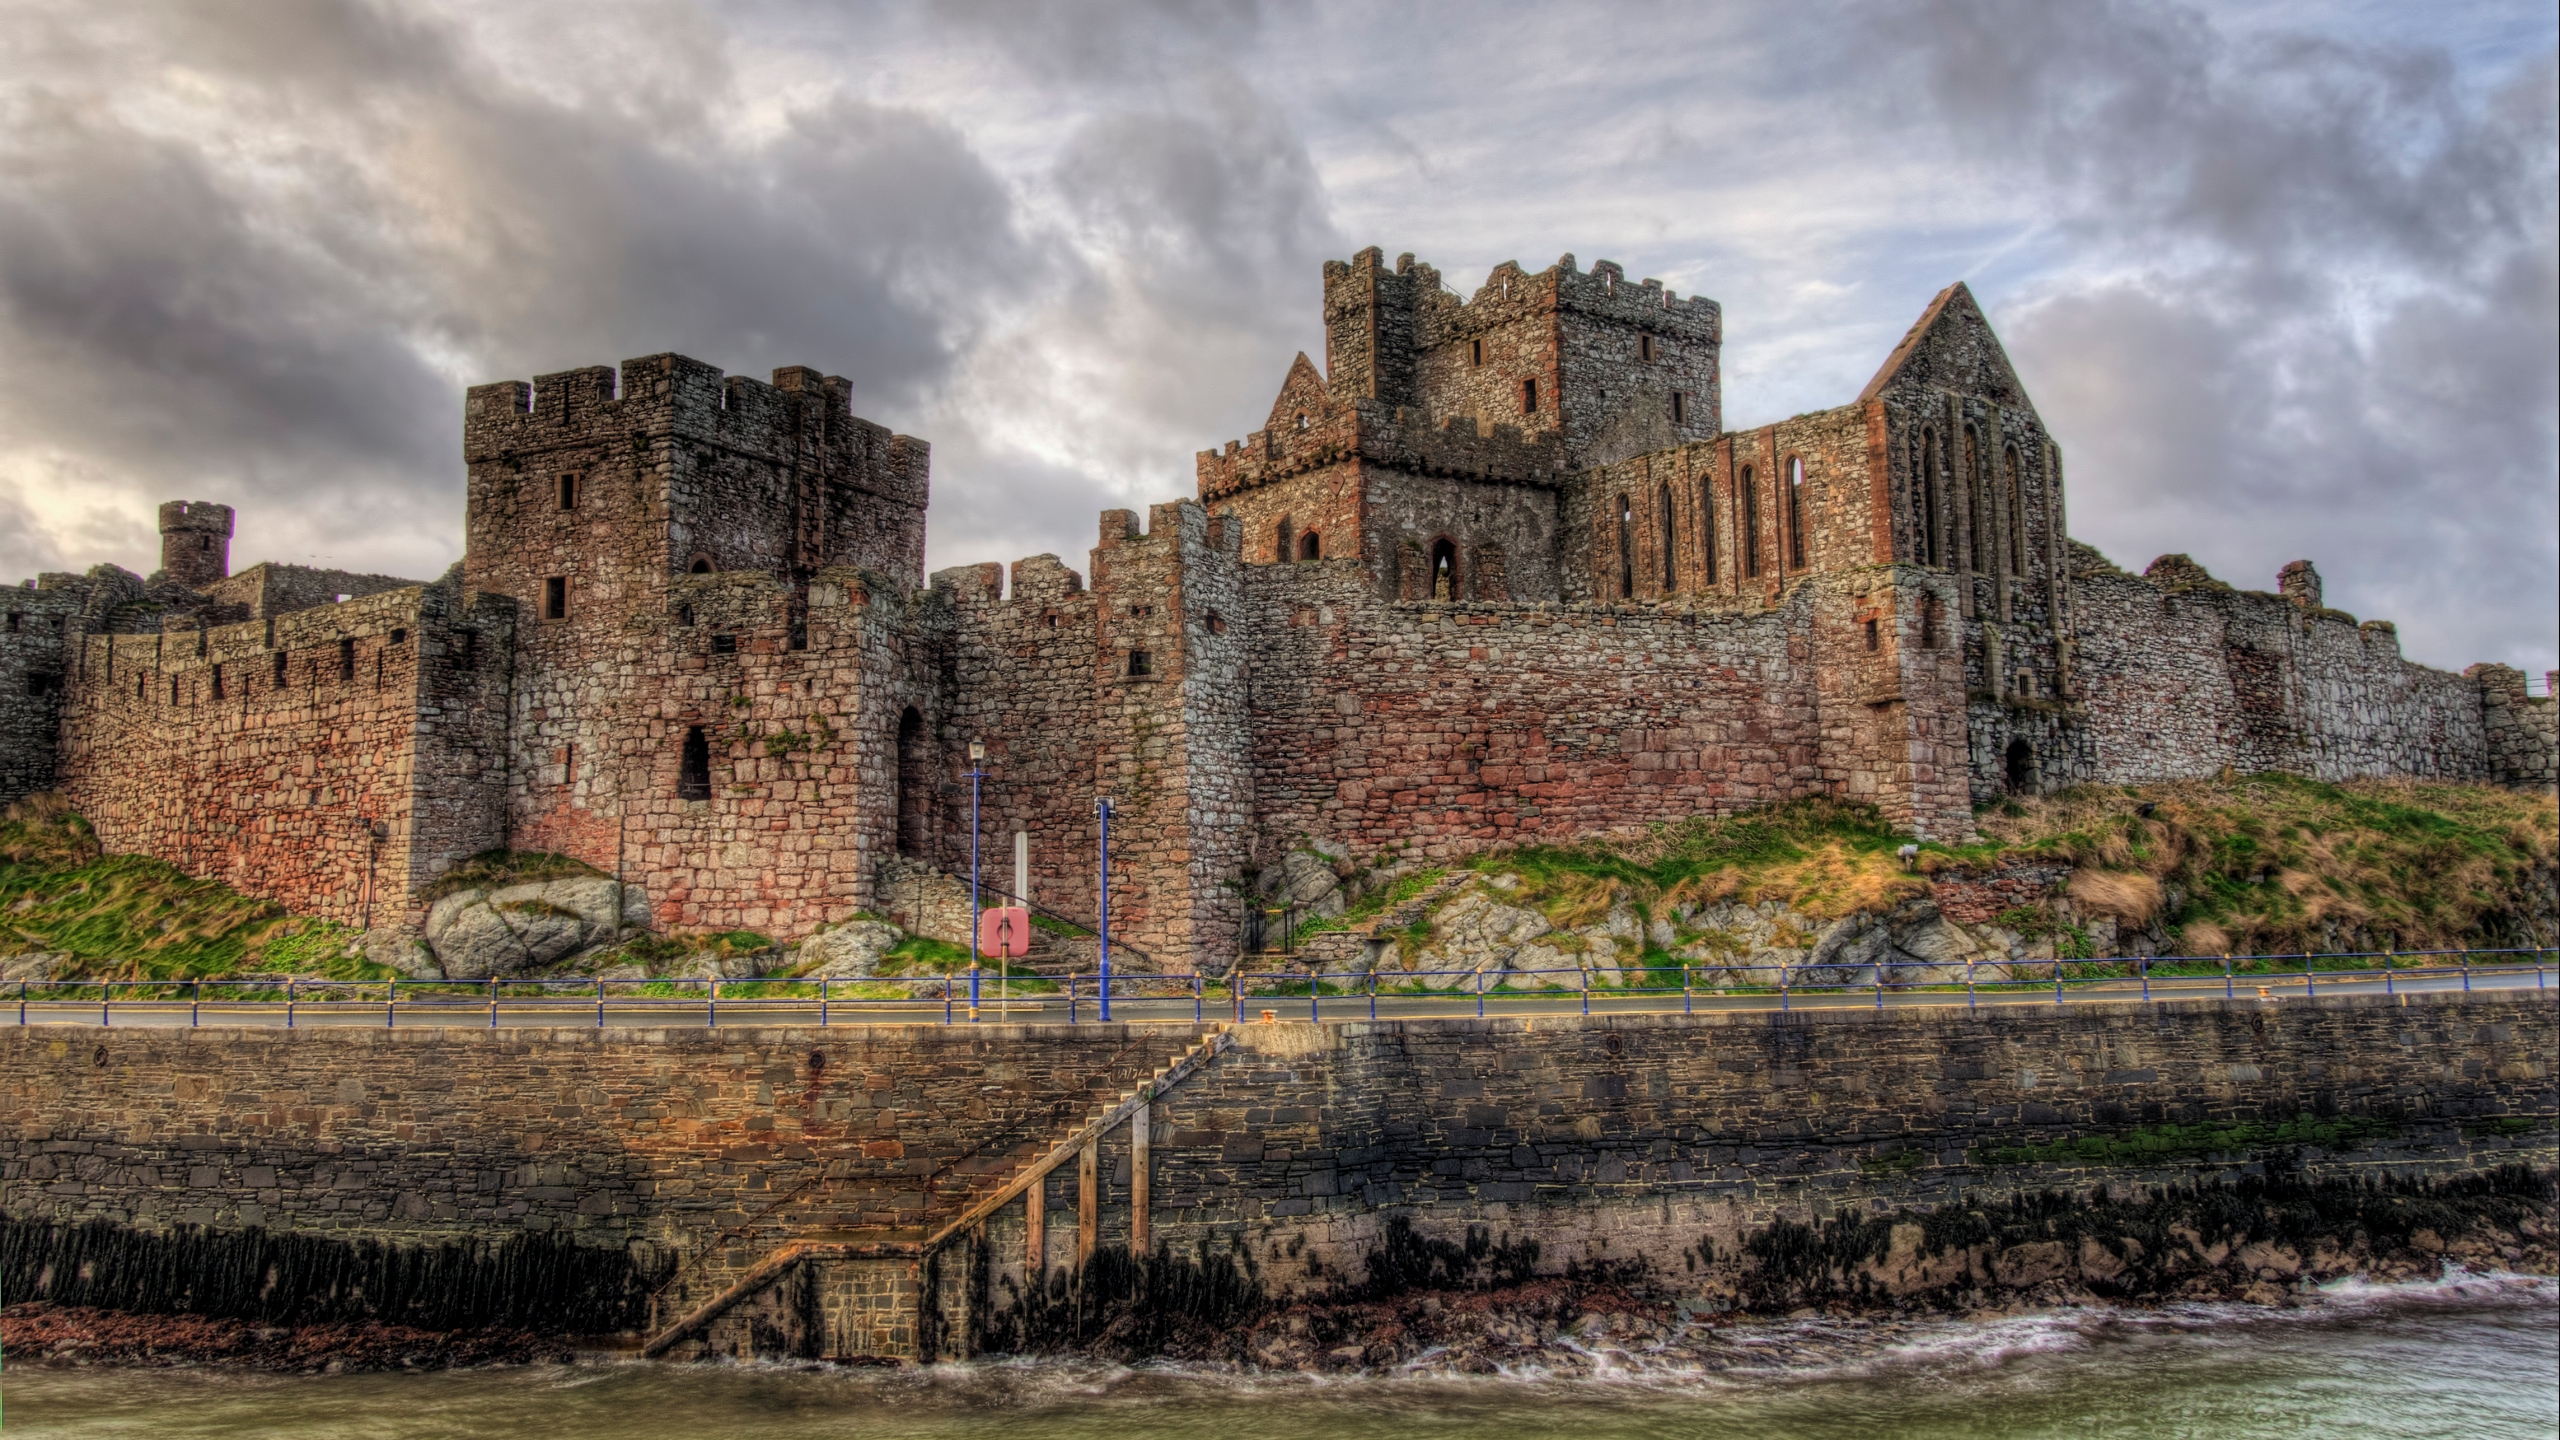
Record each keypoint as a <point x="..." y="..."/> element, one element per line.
<point x="1105" y="40"/>
<point x="272" y="333"/>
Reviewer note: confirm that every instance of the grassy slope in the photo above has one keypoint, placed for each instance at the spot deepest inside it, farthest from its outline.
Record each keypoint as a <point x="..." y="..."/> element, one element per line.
<point x="2253" y="864"/>
<point x="127" y="917"/>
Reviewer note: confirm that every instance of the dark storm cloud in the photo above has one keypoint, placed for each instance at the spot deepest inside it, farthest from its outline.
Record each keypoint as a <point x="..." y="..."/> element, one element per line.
<point x="2316" y="312"/>
<point x="257" y="315"/>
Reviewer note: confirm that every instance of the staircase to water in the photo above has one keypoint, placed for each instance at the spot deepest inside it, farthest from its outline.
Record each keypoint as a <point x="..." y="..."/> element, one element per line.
<point x="799" y="1281"/>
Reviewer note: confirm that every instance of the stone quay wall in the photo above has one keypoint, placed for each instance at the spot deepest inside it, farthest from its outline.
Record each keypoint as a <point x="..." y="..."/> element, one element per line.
<point x="1607" y="1139"/>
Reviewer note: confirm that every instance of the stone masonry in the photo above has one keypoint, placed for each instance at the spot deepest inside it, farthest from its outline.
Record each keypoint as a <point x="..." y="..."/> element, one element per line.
<point x="1496" y="571"/>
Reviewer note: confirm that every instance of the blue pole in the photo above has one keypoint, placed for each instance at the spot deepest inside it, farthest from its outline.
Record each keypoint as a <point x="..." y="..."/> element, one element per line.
<point x="1102" y="808"/>
<point x="977" y="773"/>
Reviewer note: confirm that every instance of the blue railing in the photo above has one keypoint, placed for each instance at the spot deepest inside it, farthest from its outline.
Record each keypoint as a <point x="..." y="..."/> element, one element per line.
<point x="974" y="996"/>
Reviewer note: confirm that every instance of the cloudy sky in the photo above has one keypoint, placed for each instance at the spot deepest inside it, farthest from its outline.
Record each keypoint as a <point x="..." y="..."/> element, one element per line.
<point x="2284" y="277"/>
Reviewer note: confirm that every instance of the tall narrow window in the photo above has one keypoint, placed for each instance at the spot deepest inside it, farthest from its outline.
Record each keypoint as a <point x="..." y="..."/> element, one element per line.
<point x="1670" y="545"/>
<point x="1626" y="548"/>
<point x="1310" y="547"/>
<point x="217" y="682"/>
<point x="1874" y="639"/>
<point x="1475" y="352"/>
<point x="1977" y="543"/>
<point x="555" y="598"/>
<point x="1795" y="511"/>
<point x="1529" y="397"/>
<point x="1750" y="525"/>
<point x="693" y="776"/>
<point x="2013" y="482"/>
<point x="1679" y="408"/>
<point x="1644" y="349"/>
<point x="1707" y="527"/>
<point x="346" y="660"/>
<point x="1444" y="570"/>
<point x="280" y="669"/>
<point x="568" y="489"/>
<point x="1928" y="498"/>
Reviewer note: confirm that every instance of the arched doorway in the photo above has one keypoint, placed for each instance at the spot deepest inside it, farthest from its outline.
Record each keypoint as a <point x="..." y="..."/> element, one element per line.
<point x="2022" y="767"/>
<point x="1310" y="546"/>
<point x="1444" y="570"/>
<point x="915" y="785"/>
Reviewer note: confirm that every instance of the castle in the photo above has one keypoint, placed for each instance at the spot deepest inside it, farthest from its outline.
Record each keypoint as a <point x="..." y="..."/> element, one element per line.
<point x="1497" y="573"/>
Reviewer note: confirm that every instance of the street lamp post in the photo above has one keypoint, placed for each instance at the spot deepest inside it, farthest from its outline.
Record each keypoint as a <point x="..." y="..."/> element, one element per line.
<point x="977" y="773"/>
<point x="1102" y="809"/>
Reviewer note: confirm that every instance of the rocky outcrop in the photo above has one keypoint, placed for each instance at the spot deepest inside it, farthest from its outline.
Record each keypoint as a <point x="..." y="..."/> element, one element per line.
<point x="846" y="952"/>
<point x="475" y="934"/>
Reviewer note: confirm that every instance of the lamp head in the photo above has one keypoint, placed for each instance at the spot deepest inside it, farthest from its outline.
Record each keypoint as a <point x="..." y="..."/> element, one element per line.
<point x="977" y="751"/>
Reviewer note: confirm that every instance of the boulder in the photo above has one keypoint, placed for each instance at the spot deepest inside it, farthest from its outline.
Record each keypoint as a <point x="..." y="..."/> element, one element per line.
<point x="476" y="934"/>
<point x="401" y="948"/>
<point x="1305" y="882"/>
<point x="847" y="952"/>
<point x="34" y="965"/>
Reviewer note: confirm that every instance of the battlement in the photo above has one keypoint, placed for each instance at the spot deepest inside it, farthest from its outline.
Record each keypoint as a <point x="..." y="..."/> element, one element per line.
<point x="675" y="466"/>
<point x="1460" y="446"/>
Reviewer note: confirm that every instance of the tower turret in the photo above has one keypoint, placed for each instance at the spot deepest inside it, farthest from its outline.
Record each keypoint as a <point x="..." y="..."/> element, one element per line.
<point x="195" y="542"/>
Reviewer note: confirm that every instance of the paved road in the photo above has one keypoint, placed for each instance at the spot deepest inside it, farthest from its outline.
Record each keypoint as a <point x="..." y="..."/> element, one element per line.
<point x="692" y="1014"/>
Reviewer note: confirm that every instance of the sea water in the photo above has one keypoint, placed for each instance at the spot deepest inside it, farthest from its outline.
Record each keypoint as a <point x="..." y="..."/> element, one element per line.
<point x="2474" y="1357"/>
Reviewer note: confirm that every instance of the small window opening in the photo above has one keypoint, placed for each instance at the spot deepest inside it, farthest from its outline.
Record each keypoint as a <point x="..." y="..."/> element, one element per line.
<point x="204" y="544"/>
<point x="1626" y="548"/>
<point x="1644" y="348"/>
<point x="1679" y="408"/>
<point x="724" y="644"/>
<point x="1141" y="612"/>
<point x="280" y="669"/>
<point x="1444" y="570"/>
<point x="17" y="622"/>
<point x="569" y="764"/>
<point x="1141" y="663"/>
<point x="569" y="490"/>
<point x="346" y="660"/>
<point x="1750" y="525"/>
<point x="217" y="682"/>
<point x="2015" y="484"/>
<point x="1475" y="352"/>
<point x="39" y="683"/>
<point x="1052" y="618"/>
<point x="1529" y="397"/>
<point x="1795" y="512"/>
<point x="799" y="636"/>
<point x="1217" y="623"/>
<point x="555" y="598"/>
<point x="1929" y="623"/>
<point x="470" y="651"/>
<point x="701" y="565"/>
<point x="173" y="689"/>
<point x="400" y="637"/>
<point x="1309" y="547"/>
<point x="1302" y="419"/>
<point x="141" y="687"/>
<point x="693" y="778"/>
<point x="2021" y="767"/>
<point x="684" y="615"/>
<point x="1875" y="636"/>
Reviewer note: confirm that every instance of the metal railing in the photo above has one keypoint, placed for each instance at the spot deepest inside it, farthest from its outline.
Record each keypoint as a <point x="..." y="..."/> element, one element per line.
<point x="972" y="996"/>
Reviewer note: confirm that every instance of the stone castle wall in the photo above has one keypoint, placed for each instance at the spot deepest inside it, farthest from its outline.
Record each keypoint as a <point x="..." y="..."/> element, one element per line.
<point x="34" y="627"/>
<point x="2182" y="675"/>
<point x="332" y="759"/>
<point x="1603" y="1140"/>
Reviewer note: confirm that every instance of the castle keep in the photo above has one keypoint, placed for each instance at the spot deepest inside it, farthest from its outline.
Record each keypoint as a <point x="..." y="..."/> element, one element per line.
<point x="1497" y="572"/>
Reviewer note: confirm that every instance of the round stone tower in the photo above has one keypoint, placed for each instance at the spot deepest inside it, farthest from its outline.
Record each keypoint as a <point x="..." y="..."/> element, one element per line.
<point x="195" y="542"/>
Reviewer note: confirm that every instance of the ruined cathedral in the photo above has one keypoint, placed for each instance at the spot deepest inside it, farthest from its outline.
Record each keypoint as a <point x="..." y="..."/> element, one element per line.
<point x="1497" y="572"/>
